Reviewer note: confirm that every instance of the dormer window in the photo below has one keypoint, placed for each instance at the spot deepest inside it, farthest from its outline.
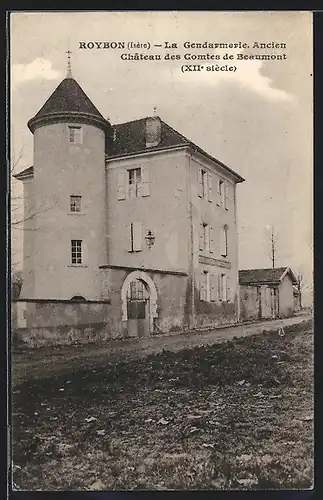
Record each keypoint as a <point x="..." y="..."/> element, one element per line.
<point x="75" y="134"/>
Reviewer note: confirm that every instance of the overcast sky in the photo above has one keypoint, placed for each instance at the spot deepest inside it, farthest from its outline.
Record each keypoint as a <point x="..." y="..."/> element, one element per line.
<point x="257" y="120"/>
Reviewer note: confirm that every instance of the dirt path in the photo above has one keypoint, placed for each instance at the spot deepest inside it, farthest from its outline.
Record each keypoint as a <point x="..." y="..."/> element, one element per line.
<point x="45" y="362"/>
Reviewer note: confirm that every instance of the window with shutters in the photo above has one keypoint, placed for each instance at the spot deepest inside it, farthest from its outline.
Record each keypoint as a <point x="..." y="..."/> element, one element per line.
<point x="133" y="183"/>
<point x="75" y="135"/>
<point x="226" y="196"/>
<point x="224" y="288"/>
<point x="223" y="194"/>
<point x="121" y="185"/>
<point x="205" y="289"/>
<point x="224" y="241"/>
<point x="205" y="184"/>
<point x="135" y="236"/>
<point x="228" y="294"/>
<point x="221" y="286"/>
<point x="213" y="287"/>
<point x="206" y="238"/>
<point x="212" y="239"/>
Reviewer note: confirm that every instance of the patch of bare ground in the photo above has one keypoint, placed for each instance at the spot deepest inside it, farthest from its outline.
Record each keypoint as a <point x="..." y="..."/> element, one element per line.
<point x="237" y="415"/>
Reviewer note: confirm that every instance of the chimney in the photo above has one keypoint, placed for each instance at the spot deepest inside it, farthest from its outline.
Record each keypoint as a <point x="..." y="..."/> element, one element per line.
<point x="153" y="131"/>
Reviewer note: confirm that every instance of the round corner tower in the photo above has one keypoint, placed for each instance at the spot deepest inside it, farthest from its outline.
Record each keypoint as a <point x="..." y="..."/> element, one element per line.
<point x="68" y="238"/>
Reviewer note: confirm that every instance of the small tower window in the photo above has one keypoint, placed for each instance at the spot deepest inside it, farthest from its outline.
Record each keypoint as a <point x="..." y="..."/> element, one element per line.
<point x="75" y="134"/>
<point x="75" y="204"/>
<point x="76" y="251"/>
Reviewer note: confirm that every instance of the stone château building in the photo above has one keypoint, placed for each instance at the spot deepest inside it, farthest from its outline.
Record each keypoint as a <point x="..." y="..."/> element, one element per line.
<point x="132" y="222"/>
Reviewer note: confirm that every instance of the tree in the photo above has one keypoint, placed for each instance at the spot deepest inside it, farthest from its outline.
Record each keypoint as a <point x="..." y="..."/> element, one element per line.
<point x="17" y="201"/>
<point x="272" y="245"/>
<point x="18" y="215"/>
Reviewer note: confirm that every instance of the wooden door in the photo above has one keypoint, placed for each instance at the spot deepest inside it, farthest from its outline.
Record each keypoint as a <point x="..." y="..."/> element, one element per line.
<point x="266" y="302"/>
<point x="138" y="309"/>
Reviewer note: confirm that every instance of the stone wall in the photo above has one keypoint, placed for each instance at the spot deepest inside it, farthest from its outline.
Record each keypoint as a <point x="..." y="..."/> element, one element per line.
<point x="172" y="299"/>
<point x="208" y="314"/>
<point x="38" y="323"/>
<point x="286" y="298"/>
<point x="250" y="303"/>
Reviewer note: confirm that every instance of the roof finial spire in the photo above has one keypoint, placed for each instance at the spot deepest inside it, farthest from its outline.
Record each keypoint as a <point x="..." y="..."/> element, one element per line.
<point x="69" y="68"/>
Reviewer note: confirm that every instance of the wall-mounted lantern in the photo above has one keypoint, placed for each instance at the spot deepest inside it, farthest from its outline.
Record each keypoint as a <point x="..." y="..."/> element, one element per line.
<point x="150" y="239"/>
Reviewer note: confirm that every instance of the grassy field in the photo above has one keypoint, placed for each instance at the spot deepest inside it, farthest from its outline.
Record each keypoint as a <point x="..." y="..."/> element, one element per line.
<point x="233" y="416"/>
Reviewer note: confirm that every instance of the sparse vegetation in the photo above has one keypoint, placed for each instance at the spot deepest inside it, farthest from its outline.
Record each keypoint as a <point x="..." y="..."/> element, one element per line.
<point x="238" y="415"/>
<point x="16" y="283"/>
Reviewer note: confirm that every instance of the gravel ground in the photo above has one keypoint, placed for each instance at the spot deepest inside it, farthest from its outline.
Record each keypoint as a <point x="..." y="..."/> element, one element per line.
<point x="30" y="364"/>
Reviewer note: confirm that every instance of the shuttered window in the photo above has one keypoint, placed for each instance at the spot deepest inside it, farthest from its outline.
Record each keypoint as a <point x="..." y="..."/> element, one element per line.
<point x="145" y="181"/>
<point x="221" y="193"/>
<point x="206" y="229"/>
<point x="204" y="184"/>
<point x="212" y="238"/>
<point x="220" y="286"/>
<point x="229" y="296"/>
<point x="201" y="238"/>
<point x="214" y="286"/>
<point x="121" y="180"/>
<point x="224" y="288"/>
<point x="200" y="182"/>
<point x="205" y="238"/>
<point x="133" y="183"/>
<point x="224" y="241"/>
<point x="210" y="187"/>
<point x="226" y="196"/>
<point x="205" y="286"/>
<point x="135" y="236"/>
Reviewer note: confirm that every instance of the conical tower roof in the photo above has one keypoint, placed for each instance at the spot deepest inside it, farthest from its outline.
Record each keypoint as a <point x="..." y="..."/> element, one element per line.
<point x="68" y="101"/>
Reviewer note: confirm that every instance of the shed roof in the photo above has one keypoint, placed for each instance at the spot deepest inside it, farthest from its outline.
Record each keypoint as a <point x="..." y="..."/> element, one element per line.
<point x="265" y="276"/>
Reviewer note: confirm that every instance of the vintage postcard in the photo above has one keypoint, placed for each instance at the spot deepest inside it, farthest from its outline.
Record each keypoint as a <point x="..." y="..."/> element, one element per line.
<point x="162" y="250"/>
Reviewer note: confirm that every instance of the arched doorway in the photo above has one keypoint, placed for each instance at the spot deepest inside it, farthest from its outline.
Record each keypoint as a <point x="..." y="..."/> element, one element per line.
<point x="139" y="297"/>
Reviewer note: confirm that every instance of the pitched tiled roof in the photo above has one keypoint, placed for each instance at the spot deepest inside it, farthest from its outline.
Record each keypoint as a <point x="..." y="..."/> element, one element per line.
<point x="130" y="139"/>
<point x="69" y="101"/>
<point x="263" y="276"/>
<point x="68" y="97"/>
